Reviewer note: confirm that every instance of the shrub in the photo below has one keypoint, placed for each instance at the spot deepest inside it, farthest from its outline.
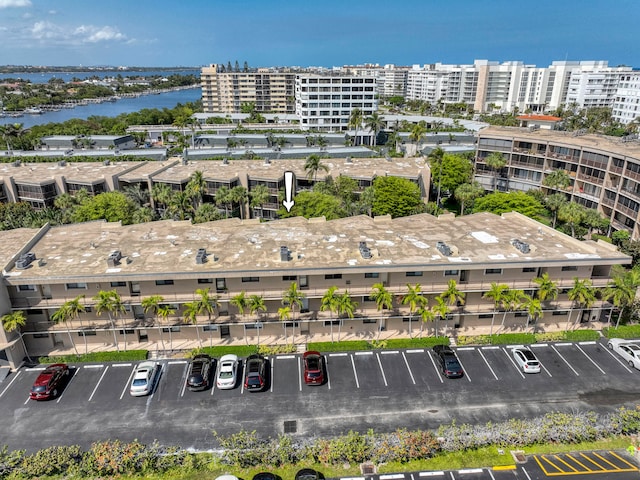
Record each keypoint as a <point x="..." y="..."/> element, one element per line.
<point x="239" y="350"/>
<point x="243" y="449"/>
<point x="623" y="331"/>
<point x="54" y="460"/>
<point x="425" y="342"/>
<point x="9" y="460"/>
<point x="353" y="345"/>
<point x="128" y="356"/>
<point x="276" y="349"/>
<point x="581" y="335"/>
<point x="550" y="336"/>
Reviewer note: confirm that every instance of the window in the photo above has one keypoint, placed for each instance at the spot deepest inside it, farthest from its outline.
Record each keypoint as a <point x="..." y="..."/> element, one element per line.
<point x="451" y="273"/>
<point x="569" y="268"/>
<point x="413" y="274"/>
<point x="74" y="286"/>
<point x="173" y="329"/>
<point x="205" y="280"/>
<point x="250" y="279"/>
<point x="40" y="335"/>
<point x="221" y="284"/>
<point x="493" y="271"/>
<point x="118" y="284"/>
<point x="164" y="282"/>
<point x="370" y="320"/>
<point x="128" y="331"/>
<point x="26" y="288"/>
<point x="88" y="333"/>
<point x="559" y="312"/>
<point x="328" y="323"/>
<point x="485" y="315"/>
<point x="371" y="275"/>
<point x="289" y="278"/>
<point x="210" y="328"/>
<point x="333" y="276"/>
<point x="521" y="314"/>
<point x="528" y="270"/>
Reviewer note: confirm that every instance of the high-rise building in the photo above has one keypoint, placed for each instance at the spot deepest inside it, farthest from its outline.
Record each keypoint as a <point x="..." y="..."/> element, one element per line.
<point x="626" y="103"/>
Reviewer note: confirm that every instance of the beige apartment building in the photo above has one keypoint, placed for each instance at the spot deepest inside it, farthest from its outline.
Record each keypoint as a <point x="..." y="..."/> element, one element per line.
<point x="604" y="171"/>
<point x="43" y="269"/>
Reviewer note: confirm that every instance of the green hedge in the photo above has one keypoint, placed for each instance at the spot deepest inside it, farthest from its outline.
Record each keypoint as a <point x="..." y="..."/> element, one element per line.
<point x="581" y="335"/>
<point x="353" y="345"/>
<point x="424" y="342"/>
<point x="624" y="331"/>
<point x="128" y="356"/>
<point x="217" y="352"/>
<point x="498" y="339"/>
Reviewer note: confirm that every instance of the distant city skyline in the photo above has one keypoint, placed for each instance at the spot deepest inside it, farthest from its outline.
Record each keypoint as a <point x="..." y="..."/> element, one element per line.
<point x="330" y="33"/>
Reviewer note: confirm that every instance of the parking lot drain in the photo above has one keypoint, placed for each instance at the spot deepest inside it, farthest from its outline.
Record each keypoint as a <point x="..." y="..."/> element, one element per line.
<point x="368" y="468"/>
<point x="290" y="426"/>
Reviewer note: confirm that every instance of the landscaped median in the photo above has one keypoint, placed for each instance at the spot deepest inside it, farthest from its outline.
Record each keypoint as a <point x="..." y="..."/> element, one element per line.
<point x="124" y="356"/>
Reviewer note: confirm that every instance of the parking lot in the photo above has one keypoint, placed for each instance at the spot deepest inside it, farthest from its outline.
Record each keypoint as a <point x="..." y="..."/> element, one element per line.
<point x="378" y="389"/>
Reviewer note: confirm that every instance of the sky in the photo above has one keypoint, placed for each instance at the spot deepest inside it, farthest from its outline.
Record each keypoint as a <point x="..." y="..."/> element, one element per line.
<point x="316" y="33"/>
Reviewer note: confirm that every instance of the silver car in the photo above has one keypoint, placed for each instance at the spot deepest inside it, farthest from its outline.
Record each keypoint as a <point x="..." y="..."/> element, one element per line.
<point x="627" y="350"/>
<point x="227" y="372"/>
<point x="143" y="379"/>
<point x="526" y="360"/>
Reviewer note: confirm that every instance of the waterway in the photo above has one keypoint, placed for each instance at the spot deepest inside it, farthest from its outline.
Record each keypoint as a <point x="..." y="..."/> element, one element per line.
<point x="68" y="76"/>
<point x="109" y="109"/>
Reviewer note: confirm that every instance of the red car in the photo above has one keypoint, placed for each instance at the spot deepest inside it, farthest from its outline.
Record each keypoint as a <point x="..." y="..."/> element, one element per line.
<point x="313" y="372"/>
<point x="50" y="382"/>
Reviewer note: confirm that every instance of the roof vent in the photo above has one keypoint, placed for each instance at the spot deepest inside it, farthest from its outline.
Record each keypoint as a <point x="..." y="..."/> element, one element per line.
<point x="520" y="245"/>
<point x="364" y="250"/>
<point x="24" y="261"/>
<point x="285" y="254"/>
<point x="114" y="258"/>
<point x="201" y="256"/>
<point x="348" y="160"/>
<point x="443" y="248"/>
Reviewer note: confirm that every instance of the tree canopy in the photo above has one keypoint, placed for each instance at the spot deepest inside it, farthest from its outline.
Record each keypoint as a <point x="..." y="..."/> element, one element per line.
<point x="397" y="197"/>
<point x="110" y="206"/>
<point x="450" y="171"/>
<point x="501" y="202"/>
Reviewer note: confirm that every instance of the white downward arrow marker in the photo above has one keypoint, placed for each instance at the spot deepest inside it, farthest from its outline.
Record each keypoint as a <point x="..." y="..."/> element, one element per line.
<point x="288" y="191"/>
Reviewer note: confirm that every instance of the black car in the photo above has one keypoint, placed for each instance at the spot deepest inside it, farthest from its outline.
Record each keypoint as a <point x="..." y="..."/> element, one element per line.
<point x="199" y="375"/>
<point x="266" y="476"/>
<point x="449" y="364"/>
<point x="254" y="373"/>
<point x="308" y="474"/>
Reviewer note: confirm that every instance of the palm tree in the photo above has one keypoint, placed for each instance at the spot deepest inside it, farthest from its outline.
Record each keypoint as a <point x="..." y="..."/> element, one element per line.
<point x="161" y="193"/>
<point x="440" y="310"/>
<point x="329" y="302"/>
<point x="383" y="299"/>
<point x="196" y="187"/>
<point x="495" y="161"/>
<point x="417" y="133"/>
<point x="223" y="197"/>
<point x="292" y="297"/>
<point x="68" y="311"/>
<point x="452" y="295"/>
<point x="375" y="123"/>
<point x="573" y="214"/>
<point x="110" y="302"/>
<point x="136" y="194"/>
<point x="622" y="289"/>
<point x="583" y="296"/>
<point x="426" y="315"/>
<point x="164" y="311"/>
<point x="14" y="321"/>
<point x="239" y="195"/>
<point x="346" y="306"/>
<point x="355" y="122"/>
<point x="394" y="139"/>
<point x="191" y="311"/>
<point x="554" y="202"/>
<point x="259" y="196"/>
<point x="512" y="300"/>
<point x="414" y="298"/>
<point x="313" y="165"/>
<point x="257" y="305"/>
<point x="284" y="314"/>
<point x="557" y="180"/>
<point x="153" y="303"/>
<point x="547" y="288"/>
<point x="206" y="303"/>
<point x="241" y="302"/>
<point x="496" y="293"/>
<point x="467" y="193"/>
<point x="533" y="307"/>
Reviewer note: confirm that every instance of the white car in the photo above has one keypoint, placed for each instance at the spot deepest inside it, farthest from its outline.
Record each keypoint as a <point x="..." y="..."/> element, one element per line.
<point x="526" y="360"/>
<point x="228" y="372"/>
<point x="143" y="379"/>
<point x="627" y="350"/>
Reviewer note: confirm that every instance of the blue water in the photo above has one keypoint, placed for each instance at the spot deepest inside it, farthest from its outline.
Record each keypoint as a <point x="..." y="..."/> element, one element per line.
<point x="109" y="109"/>
<point x="67" y="76"/>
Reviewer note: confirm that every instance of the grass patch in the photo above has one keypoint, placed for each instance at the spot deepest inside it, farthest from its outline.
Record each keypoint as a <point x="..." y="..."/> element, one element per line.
<point x="353" y="345"/>
<point x="219" y="351"/>
<point x="581" y="335"/>
<point x="529" y="338"/>
<point x="624" y="331"/>
<point x="424" y="342"/>
<point x="128" y="356"/>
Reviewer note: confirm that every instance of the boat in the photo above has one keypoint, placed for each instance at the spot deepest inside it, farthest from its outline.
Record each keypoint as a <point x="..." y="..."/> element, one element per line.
<point x="33" y="111"/>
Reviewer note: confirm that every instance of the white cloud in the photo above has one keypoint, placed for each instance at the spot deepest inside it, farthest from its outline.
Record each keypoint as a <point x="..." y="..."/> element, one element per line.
<point x="92" y="34"/>
<point x="14" y="3"/>
<point x="52" y="32"/>
<point x="52" y="12"/>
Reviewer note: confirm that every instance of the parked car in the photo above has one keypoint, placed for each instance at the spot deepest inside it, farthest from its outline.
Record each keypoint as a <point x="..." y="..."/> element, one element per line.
<point x="526" y="360"/>
<point x="50" y="382"/>
<point x="199" y="372"/>
<point x="227" y="477"/>
<point x="448" y="361"/>
<point x="265" y="476"/>
<point x="313" y="371"/>
<point x="227" y="372"/>
<point x="627" y="350"/>
<point x="255" y="371"/>
<point x="308" y="474"/>
<point x="143" y="379"/>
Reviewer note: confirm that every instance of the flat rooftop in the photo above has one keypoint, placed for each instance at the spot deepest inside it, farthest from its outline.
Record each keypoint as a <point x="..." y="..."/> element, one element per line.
<point x="613" y="145"/>
<point x="82" y="172"/>
<point x="167" y="249"/>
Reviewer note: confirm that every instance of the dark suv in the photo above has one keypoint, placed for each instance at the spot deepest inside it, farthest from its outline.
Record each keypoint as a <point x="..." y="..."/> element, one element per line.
<point x="449" y="364"/>
<point x="199" y="372"/>
<point x="254" y="376"/>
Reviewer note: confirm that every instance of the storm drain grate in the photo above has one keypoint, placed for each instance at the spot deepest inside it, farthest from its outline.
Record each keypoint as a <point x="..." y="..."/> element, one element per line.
<point x="290" y="426"/>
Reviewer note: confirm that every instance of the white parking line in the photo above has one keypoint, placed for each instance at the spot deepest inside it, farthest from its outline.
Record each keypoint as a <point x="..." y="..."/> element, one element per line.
<point x="13" y="380"/>
<point x="465" y="348"/>
<point x="387" y="352"/>
<point x="537" y="345"/>
<point x="284" y="357"/>
<point x="408" y="368"/>
<point x="431" y="474"/>
<point x="525" y="472"/>
<point x="485" y="361"/>
<point x="353" y="364"/>
<point x="133" y="370"/>
<point x="435" y="367"/>
<point x="272" y="367"/>
<point x="184" y="380"/>
<point x="564" y="344"/>
<point x="416" y="350"/>
<point x="66" y="387"/>
<point x="98" y="384"/>
<point x="35" y="369"/>
<point x="491" y="475"/>
<point x="605" y="347"/>
<point x="27" y="400"/>
<point x="384" y="377"/>
<point x="590" y="359"/>
<point x="391" y="476"/>
<point x="364" y="353"/>
<point x="471" y="470"/>
<point x="326" y="365"/>
<point x="466" y="374"/>
<point x="93" y="366"/>
<point x="592" y="342"/>
<point x="177" y="362"/>
<point x="342" y="354"/>
<point x="491" y="347"/>
<point x="121" y="365"/>
<point x="545" y="369"/>
<point x="512" y="362"/>
<point x="564" y="359"/>
<point x="300" y="374"/>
